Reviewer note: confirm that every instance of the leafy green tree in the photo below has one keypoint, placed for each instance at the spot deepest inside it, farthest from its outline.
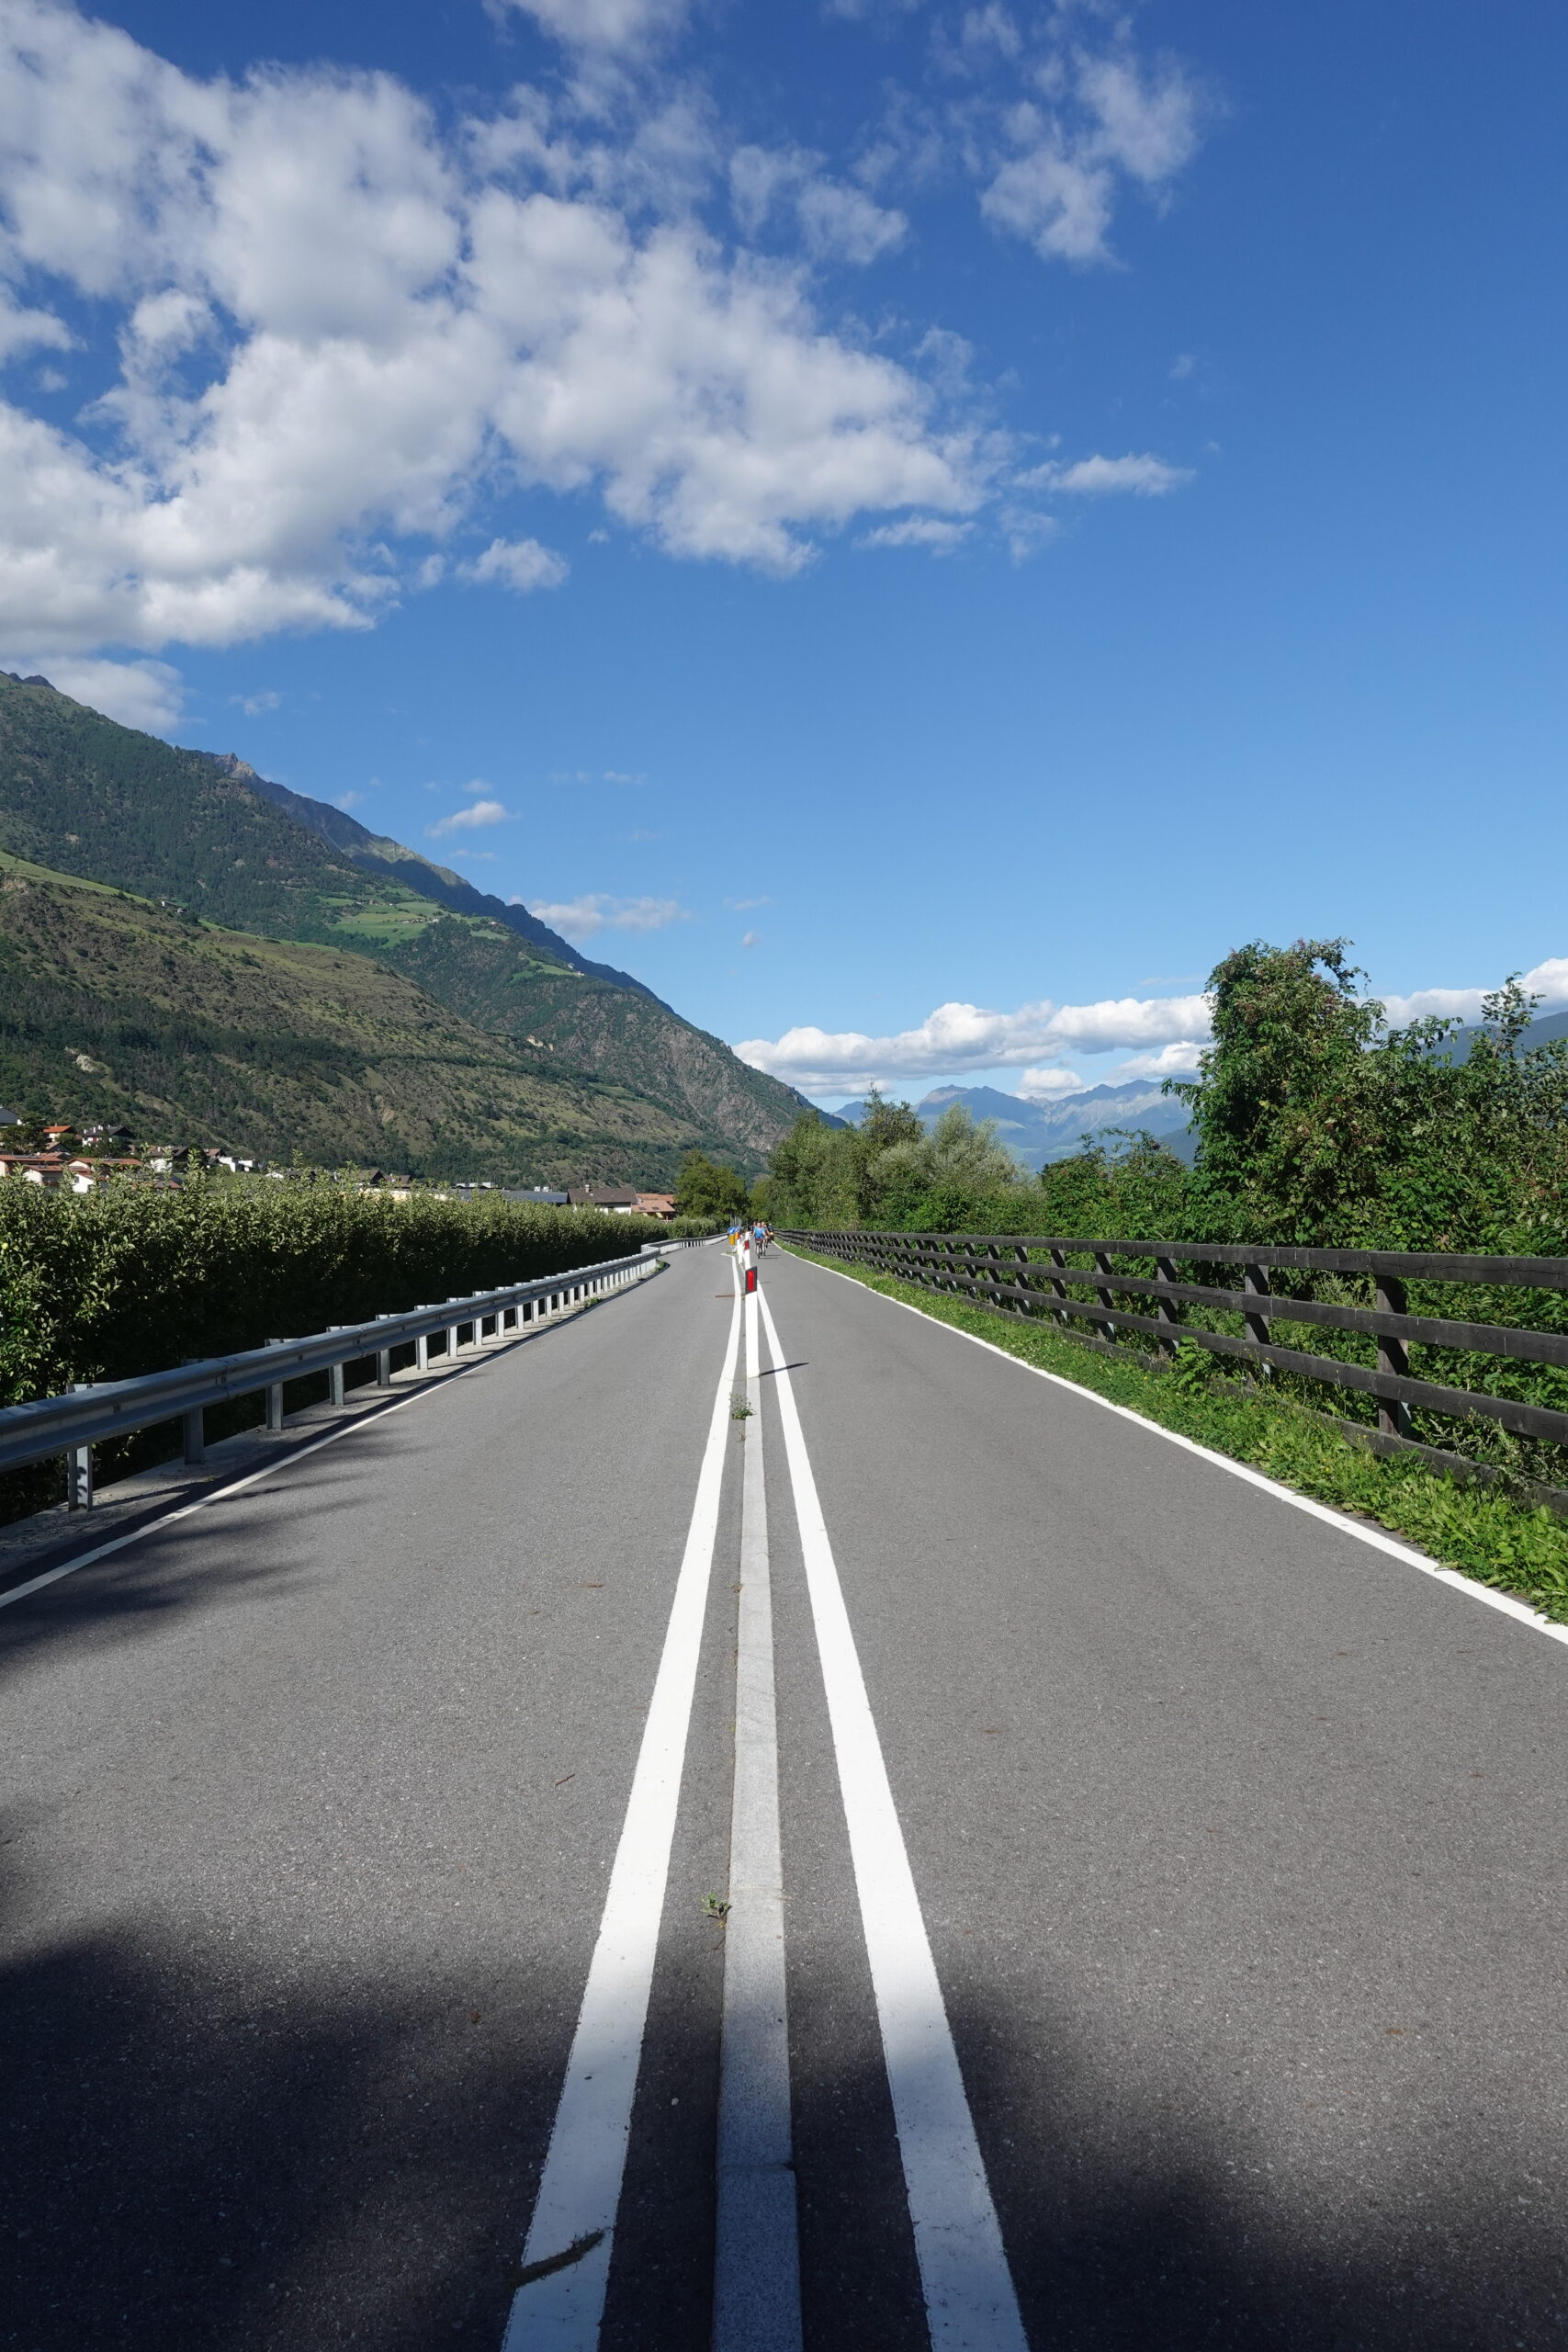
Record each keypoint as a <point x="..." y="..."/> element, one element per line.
<point x="707" y="1188"/>
<point x="1122" y="1185"/>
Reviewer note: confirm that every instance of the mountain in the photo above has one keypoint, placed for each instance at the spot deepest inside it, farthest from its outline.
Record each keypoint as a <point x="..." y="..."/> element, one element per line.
<point x="1551" y="1025"/>
<point x="85" y="798"/>
<point x="115" y="1009"/>
<point x="1037" y="1132"/>
<point x="376" y="854"/>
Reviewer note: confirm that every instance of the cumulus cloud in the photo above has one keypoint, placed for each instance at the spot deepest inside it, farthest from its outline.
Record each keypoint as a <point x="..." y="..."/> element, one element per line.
<point x="520" y="564"/>
<point x="932" y="532"/>
<point x="1548" y="981"/>
<point x="837" y="222"/>
<point x="958" y="1037"/>
<point x="1080" y="127"/>
<point x="253" y="706"/>
<point x="22" y="329"/>
<point x="1138" y="477"/>
<point x="1179" y="1060"/>
<point x="601" y="25"/>
<point x="580" y="918"/>
<point x="340" y="322"/>
<point x="147" y="694"/>
<point x="464" y="821"/>
<point x="1161" y="1036"/>
<point x="1049" y="1085"/>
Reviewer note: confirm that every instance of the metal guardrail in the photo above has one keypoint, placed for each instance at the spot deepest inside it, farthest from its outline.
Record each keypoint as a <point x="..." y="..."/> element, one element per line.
<point x="1030" y="1274"/>
<point x="92" y="1412"/>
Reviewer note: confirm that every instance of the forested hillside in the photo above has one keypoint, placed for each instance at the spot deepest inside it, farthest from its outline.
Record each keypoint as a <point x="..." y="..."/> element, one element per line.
<point x="82" y="796"/>
<point x="116" y="1010"/>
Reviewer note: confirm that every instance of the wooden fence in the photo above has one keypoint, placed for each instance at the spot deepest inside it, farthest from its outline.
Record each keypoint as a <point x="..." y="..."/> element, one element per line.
<point x="1520" y="1385"/>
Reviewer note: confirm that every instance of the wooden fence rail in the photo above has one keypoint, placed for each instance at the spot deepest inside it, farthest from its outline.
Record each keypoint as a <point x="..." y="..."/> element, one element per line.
<point x="1035" y="1276"/>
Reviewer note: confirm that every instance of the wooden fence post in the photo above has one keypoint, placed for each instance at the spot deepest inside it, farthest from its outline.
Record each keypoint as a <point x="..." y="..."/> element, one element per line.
<point x="1389" y="1297"/>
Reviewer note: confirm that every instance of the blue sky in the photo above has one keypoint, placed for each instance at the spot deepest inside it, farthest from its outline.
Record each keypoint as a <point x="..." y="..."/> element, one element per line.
<point x="912" y="528"/>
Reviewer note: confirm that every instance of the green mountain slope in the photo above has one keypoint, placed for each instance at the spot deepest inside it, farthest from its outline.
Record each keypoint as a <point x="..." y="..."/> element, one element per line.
<point x="115" y="1009"/>
<point x="379" y="855"/>
<point x="84" y="796"/>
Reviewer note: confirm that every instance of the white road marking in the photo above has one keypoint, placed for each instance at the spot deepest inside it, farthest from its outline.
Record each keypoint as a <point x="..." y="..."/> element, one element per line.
<point x="1521" y="1610"/>
<point x="756" y="2252"/>
<point x="580" y="2188"/>
<point x="970" y="2302"/>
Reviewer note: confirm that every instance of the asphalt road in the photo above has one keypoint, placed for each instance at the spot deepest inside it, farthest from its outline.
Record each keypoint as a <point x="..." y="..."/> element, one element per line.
<point x="1238" y="1847"/>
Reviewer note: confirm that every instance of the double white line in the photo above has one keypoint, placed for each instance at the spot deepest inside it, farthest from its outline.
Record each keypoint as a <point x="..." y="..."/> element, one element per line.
<point x="969" y="2298"/>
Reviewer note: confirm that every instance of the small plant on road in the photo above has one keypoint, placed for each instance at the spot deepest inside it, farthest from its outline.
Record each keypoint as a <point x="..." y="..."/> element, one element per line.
<point x="715" y="1907"/>
<point x="740" y="1410"/>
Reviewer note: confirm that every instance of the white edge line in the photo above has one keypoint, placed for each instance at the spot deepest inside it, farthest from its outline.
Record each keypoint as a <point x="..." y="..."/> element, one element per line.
<point x="267" y="1470"/>
<point x="1518" y="1610"/>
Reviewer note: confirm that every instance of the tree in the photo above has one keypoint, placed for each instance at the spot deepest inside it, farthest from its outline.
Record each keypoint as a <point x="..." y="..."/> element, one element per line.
<point x="1122" y="1184"/>
<point x="707" y="1188"/>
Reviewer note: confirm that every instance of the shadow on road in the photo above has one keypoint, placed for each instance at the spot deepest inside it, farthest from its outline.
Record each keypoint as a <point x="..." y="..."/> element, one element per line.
<point x="223" y="1553"/>
<point x="202" y="2147"/>
<point x="201" y="2151"/>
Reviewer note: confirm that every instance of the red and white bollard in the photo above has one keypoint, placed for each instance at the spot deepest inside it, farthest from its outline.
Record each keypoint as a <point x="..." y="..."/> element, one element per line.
<point x="748" y="1259"/>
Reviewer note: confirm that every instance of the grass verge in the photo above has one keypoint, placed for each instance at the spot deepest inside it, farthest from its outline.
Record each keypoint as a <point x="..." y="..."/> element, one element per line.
<point x="1475" y="1529"/>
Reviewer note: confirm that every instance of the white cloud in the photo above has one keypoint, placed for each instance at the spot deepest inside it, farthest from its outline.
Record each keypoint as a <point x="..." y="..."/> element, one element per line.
<point x="1177" y="1060"/>
<point x="147" y="694"/>
<point x="929" y="531"/>
<point x="520" y="564"/>
<point x="23" y="330"/>
<point x="958" y="1037"/>
<point x="341" y="321"/>
<point x="1138" y="477"/>
<point x="843" y="223"/>
<point x="1074" y="130"/>
<point x="604" y="25"/>
<point x="1548" y="980"/>
<point x="1049" y="1085"/>
<point x="743" y="906"/>
<point x="255" y="705"/>
<point x="580" y="918"/>
<point x="1162" y="1036"/>
<point x="837" y="222"/>
<point x="463" y="821"/>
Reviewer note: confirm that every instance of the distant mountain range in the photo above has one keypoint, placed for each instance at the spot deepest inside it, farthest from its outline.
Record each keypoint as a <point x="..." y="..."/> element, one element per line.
<point x="1037" y="1132"/>
<point x="1539" y="1033"/>
<point x="502" y="1051"/>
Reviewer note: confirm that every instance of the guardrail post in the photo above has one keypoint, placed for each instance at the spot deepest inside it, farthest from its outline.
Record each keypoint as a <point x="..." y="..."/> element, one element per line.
<point x="1255" y="1285"/>
<point x="1391" y="1297"/>
<point x="79" y="1467"/>
<point x="383" y="1361"/>
<point x="1165" y="1309"/>
<point x="275" y="1396"/>
<point x="194" y="1428"/>
<point x="335" y="1371"/>
<point x="452" y="1333"/>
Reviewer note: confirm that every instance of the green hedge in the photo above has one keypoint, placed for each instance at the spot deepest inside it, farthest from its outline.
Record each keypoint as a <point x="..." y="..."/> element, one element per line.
<point x="130" y="1280"/>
